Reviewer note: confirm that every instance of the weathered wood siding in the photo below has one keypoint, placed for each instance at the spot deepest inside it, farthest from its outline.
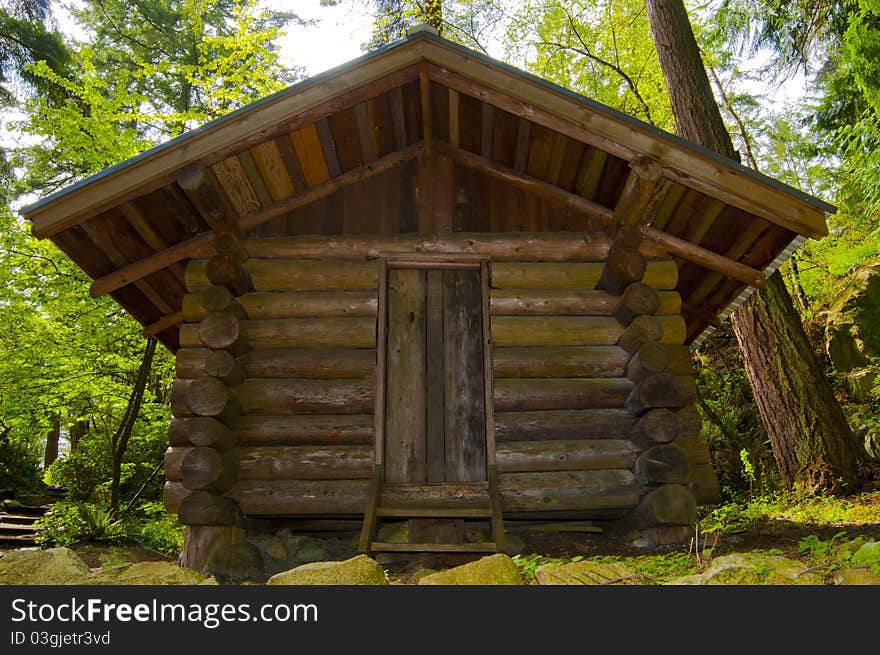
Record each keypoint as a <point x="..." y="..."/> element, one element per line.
<point x="304" y="441"/>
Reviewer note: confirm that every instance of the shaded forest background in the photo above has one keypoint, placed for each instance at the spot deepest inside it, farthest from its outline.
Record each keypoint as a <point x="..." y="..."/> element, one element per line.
<point x="141" y="72"/>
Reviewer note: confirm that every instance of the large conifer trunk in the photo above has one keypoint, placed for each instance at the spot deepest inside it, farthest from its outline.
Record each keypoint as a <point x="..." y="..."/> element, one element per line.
<point x="811" y="440"/>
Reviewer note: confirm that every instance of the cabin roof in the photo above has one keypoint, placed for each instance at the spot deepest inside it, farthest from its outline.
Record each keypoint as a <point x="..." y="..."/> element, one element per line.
<point x="133" y="226"/>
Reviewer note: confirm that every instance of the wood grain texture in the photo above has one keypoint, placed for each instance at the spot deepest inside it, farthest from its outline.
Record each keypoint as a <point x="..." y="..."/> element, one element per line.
<point x="405" y="391"/>
<point x="464" y="420"/>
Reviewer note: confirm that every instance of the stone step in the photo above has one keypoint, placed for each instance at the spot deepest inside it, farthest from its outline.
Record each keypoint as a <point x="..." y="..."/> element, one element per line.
<point x="18" y="518"/>
<point x="15" y="528"/>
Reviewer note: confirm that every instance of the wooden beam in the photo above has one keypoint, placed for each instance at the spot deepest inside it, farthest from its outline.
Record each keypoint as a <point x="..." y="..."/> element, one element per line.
<point x="249" y="167"/>
<point x="398" y="119"/>
<point x="358" y="174"/>
<point x="705" y="258"/>
<point x="526" y="182"/>
<point x="163" y="324"/>
<point x="556" y="158"/>
<point x="291" y="162"/>
<point x="149" y="265"/>
<point x="523" y="144"/>
<point x="643" y="177"/>
<point x="207" y="196"/>
<point x="365" y="132"/>
<point x="620" y="137"/>
<point x="453" y="117"/>
<point x="328" y="147"/>
<point x="425" y="95"/>
<point x="590" y="173"/>
<point x="486" y="131"/>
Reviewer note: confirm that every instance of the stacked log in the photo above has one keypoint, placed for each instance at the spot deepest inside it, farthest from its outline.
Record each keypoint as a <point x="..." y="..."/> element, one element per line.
<point x="304" y="386"/>
<point x="284" y="387"/>
<point x="206" y="408"/>
<point x="658" y="393"/>
<point x="561" y="383"/>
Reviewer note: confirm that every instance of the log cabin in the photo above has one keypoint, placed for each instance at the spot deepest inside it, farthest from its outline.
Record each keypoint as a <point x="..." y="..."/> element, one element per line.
<point x="427" y="286"/>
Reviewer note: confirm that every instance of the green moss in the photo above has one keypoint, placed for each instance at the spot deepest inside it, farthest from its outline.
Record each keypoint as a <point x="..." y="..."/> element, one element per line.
<point x="359" y="570"/>
<point x="496" y="569"/>
<point x="53" y="566"/>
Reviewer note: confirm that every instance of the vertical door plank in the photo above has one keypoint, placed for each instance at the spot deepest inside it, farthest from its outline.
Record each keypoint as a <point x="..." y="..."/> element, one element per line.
<point x="435" y="382"/>
<point x="405" y="393"/>
<point x="463" y="364"/>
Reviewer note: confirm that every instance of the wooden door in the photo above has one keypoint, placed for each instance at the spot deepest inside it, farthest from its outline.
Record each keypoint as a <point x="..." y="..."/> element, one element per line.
<point x="435" y="418"/>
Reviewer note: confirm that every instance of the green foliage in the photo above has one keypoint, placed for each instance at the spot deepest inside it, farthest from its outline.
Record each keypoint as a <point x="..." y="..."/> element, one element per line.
<point x="71" y="522"/>
<point x="791" y="506"/>
<point x="20" y="458"/>
<point x="24" y="39"/>
<point x="603" y="50"/>
<point x="148" y="70"/>
<point x="818" y="547"/>
<point x="868" y="555"/>
<point x="155" y="528"/>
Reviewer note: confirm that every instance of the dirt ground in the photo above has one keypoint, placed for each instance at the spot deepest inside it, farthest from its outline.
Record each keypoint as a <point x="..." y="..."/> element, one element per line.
<point x="613" y="540"/>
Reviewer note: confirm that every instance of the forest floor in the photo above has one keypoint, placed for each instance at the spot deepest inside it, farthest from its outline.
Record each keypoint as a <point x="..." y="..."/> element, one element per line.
<point x="806" y="531"/>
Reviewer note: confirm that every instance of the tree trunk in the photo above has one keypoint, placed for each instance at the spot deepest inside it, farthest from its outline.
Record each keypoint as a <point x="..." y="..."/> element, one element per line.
<point x="52" y="438"/>
<point x="795" y="279"/>
<point x="811" y="440"/>
<point x="77" y="431"/>
<point x="119" y="443"/>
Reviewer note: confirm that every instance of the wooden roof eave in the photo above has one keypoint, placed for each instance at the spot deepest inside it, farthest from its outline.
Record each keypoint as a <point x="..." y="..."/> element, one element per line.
<point x="466" y="72"/>
<point x="562" y="110"/>
<point x="284" y="111"/>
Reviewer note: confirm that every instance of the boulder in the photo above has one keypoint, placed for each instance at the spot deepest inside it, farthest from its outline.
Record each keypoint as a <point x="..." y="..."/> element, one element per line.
<point x="585" y="573"/>
<point x="239" y="562"/>
<point x="868" y="554"/>
<point x="274" y="553"/>
<point x="856" y="577"/>
<point x="33" y="566"/>
<point x="148" y="573"/>
<point x="359" y="570"/>
<point x="852" y="328"/>
<point x="302" y="550"/>
<point x="394" y="533"/>
<point x="496" y="569"/>
<point x="754" y="568"/>
<point x="36" y="500"/>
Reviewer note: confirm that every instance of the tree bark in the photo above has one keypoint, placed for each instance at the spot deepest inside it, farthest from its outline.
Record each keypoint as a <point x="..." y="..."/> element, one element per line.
<point x="811" y="440"/>
<point x="52" y="438"/>
<point x="119" y="443"/>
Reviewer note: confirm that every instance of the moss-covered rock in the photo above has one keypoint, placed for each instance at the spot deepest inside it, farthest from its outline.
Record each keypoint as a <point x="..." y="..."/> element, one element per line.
<point x="53" y="566"/>
<point x="394" y="533"/>
<point x="585" y="573"/>
<point x="148" y="573"/>
<point x="496" y="569"/>
<point x="857" y="577"/>
<point x="868" y="554"/>
<point x="241" y="562"/>
<point x="359" y="570"/>
<point x="752" y="569"/>
<point x="852" y="328"/>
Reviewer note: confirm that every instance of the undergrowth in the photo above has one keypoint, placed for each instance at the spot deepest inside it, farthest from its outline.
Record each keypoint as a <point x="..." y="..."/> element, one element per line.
<point x="795" y="507"/>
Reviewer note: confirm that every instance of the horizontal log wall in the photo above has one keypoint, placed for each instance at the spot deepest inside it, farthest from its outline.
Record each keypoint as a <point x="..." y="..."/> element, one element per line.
<point x="303" y="443"/>
<point x="304" y="440"/>
<point x="560" y="384"/>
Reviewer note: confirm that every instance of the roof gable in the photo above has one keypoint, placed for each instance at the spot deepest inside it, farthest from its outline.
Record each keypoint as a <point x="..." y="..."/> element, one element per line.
<point x="338" y="129"/>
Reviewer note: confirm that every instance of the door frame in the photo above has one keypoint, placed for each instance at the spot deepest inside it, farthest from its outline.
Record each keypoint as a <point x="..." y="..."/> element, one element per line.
<point x="429" y="261"/>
